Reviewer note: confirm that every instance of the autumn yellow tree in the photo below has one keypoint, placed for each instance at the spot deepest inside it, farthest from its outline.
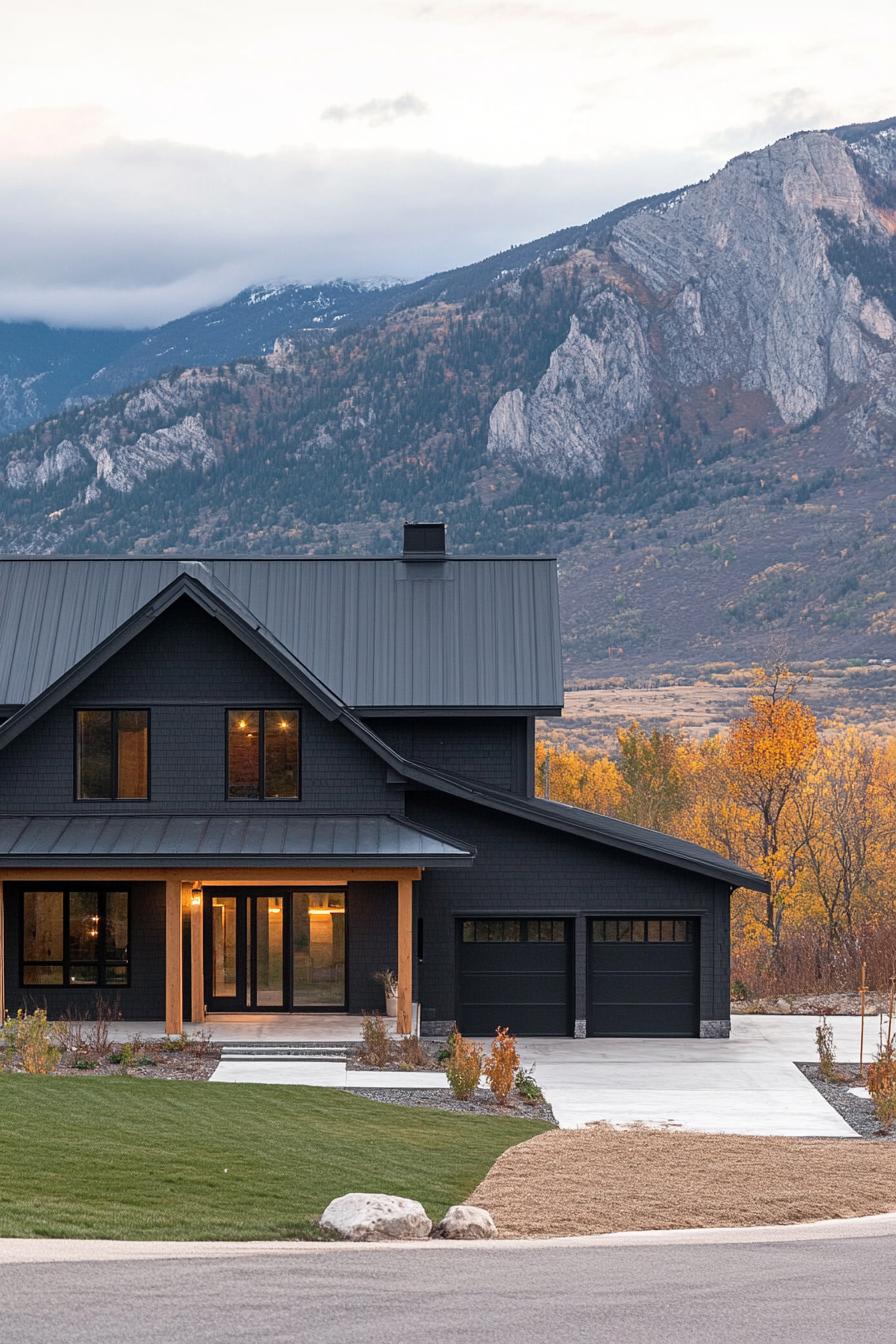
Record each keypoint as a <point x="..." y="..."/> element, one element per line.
<point x="845" y="827"/>
<point x="656" y="771"/>
<point x="581" y="779"/>
<point x="766" y="758"/>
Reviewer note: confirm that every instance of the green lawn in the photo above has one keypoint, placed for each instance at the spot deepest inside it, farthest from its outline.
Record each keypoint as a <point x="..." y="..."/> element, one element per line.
<point x="132" y="1158"/>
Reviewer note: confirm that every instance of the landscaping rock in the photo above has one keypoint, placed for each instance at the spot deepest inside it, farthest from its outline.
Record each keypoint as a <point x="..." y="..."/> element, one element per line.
<point x="466" y="1222"/>
<point x="376" y="1218"/>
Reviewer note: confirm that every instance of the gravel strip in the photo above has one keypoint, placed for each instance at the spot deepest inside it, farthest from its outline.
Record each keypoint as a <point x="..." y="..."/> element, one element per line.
<point x="440" y="1099"/>
<point x="856" y="1111"/>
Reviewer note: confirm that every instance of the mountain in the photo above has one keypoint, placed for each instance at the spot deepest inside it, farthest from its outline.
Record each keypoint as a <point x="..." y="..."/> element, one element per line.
<point x="693" y="399"/>
<point x="43" y="368"/>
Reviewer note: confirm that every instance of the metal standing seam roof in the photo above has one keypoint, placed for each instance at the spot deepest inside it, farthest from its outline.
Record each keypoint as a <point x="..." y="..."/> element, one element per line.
<point x="380" y="633"/>
<point x="266" y="840"/>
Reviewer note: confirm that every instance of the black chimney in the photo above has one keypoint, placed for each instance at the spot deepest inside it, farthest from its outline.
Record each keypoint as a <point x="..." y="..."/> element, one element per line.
<point x="424" y="541"/>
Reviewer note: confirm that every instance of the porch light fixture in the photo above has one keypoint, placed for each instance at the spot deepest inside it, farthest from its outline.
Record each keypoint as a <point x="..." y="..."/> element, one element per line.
<point x="196" y="894"/>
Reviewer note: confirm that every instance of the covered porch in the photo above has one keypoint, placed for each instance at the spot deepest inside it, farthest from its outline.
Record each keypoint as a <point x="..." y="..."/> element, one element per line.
<point x="128" y="910"/>
<point x="187" y="949"/>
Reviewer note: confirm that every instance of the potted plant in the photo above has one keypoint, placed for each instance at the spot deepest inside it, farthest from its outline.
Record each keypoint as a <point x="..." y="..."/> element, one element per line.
<point x="389" y="982"/>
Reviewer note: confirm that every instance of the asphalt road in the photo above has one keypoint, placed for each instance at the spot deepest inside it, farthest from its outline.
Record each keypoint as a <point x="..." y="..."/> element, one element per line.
<point x="800" y="1292"/>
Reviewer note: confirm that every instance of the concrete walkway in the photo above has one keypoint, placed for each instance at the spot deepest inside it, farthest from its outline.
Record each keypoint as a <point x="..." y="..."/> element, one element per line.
<point x="745" y="1085"/>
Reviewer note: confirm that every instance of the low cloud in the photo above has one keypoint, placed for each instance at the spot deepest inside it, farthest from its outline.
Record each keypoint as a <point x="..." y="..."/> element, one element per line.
<point x="377" y="111"/>
<point x="134" y="233"/>
<point x="781" y="114"/>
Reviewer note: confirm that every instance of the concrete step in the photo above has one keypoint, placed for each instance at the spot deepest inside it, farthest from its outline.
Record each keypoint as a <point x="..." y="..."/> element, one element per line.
<point x="314" y="1052"/>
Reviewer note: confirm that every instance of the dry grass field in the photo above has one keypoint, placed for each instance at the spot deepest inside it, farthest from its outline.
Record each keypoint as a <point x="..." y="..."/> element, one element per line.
<point x="703" y="703"/>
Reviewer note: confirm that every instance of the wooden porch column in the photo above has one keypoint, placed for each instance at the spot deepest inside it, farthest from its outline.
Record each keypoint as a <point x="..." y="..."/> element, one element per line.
<point x="193" y="903"/>
<point x="405" y="954"/>
<point x="174" y="972"/>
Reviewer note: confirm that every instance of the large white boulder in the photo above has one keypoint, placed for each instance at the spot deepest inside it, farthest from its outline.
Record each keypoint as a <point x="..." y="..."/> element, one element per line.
<point x="362" y="1217"/>
<point x="466" y="1222"/>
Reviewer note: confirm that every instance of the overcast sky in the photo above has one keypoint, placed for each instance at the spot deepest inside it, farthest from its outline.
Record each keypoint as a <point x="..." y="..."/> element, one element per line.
<point x="157" y="157"/>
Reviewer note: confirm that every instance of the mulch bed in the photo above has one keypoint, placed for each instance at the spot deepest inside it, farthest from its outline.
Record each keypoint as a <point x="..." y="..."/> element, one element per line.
<point x="428" y="1062"/>
<point x="856" y="1111"/>
<point x="441" y="1099"/>
<point x="575" y="1182"/>
<point x="152" y="1060"/>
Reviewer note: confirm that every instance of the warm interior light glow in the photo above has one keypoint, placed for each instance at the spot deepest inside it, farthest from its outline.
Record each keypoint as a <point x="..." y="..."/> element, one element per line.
<point x="322" y="910"/>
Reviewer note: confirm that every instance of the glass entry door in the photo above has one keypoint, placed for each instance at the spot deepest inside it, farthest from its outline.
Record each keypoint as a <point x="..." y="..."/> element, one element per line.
<point x="274" y="950"/>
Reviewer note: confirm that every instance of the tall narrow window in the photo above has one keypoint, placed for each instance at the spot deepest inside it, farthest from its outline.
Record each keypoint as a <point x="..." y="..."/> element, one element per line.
<point x="112" y="753"/>
<point x="263" y="753"/>
<point x="281" y="753"/>
<point x="94" y="753"/>
<point x="243" y="754"/>
<point x="132" y="754"/>
<point x="43" y="938"/>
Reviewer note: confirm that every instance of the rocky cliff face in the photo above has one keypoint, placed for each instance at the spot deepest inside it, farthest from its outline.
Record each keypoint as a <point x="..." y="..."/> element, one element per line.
<point x="693" y="399"/>
<point x="728" y="282"/>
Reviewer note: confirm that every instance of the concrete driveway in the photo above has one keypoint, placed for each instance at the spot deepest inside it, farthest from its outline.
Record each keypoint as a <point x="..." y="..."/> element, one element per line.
<point x="748" y="1084"/>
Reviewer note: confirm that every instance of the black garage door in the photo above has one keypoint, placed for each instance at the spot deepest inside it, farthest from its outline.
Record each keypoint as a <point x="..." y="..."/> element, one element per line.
<point x="642" y="977"/>
<point x="514" y="973"/>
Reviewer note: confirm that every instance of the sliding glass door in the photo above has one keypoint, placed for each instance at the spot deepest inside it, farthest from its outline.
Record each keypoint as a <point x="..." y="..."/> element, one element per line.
<point x="270" y="950"/>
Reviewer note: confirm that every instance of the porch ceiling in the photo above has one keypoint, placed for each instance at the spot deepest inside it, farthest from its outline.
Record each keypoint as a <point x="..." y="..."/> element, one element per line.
<point x="225" y="840"/>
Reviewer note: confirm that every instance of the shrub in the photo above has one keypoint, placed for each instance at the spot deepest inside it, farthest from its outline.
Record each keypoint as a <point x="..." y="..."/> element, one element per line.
<point x="445" y="1051"/>
<point x="527" y="1087"/>
<point x="126" y="1056"/>
<point x="175" y="1044"/>
<point x="86" y="1037"/>
<point x="827" y="1059"/>
<point x="464" y="1067"/>
<point x="376" y="1045"/>
<point x="882" y="1086"/>
<point x="30" y="1036"/>
<point x="501" y="1066"/>
<point x="411" y="1054"/>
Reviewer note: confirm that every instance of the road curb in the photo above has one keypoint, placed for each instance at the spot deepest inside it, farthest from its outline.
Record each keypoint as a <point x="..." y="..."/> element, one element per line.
<point x="37" y="1250"/>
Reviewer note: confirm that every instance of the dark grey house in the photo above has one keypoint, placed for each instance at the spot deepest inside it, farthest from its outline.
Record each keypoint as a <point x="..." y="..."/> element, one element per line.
<point x="247" y="785"/>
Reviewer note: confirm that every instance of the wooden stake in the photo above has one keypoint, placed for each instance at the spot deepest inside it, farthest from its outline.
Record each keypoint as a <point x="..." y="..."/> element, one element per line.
<point x="862" y="989"/>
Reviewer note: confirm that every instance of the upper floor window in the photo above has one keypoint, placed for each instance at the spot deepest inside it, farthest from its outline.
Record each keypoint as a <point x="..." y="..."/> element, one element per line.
<point x="262" y="753"/>
<point x="112" y="753"/>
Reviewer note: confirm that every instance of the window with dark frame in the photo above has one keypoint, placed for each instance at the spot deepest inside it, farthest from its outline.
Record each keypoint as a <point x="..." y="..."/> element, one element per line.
<point x="73" y="936"/>
<point x="513" y="931"/>
<point x="263" y="753"/>
<point x="111" y="754"/>
<point x="642" y="931"/>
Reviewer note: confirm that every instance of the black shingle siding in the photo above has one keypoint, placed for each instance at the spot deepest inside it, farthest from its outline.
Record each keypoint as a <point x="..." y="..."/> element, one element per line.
<point x="522" y="868"/>
<point x="188" y="669"/>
